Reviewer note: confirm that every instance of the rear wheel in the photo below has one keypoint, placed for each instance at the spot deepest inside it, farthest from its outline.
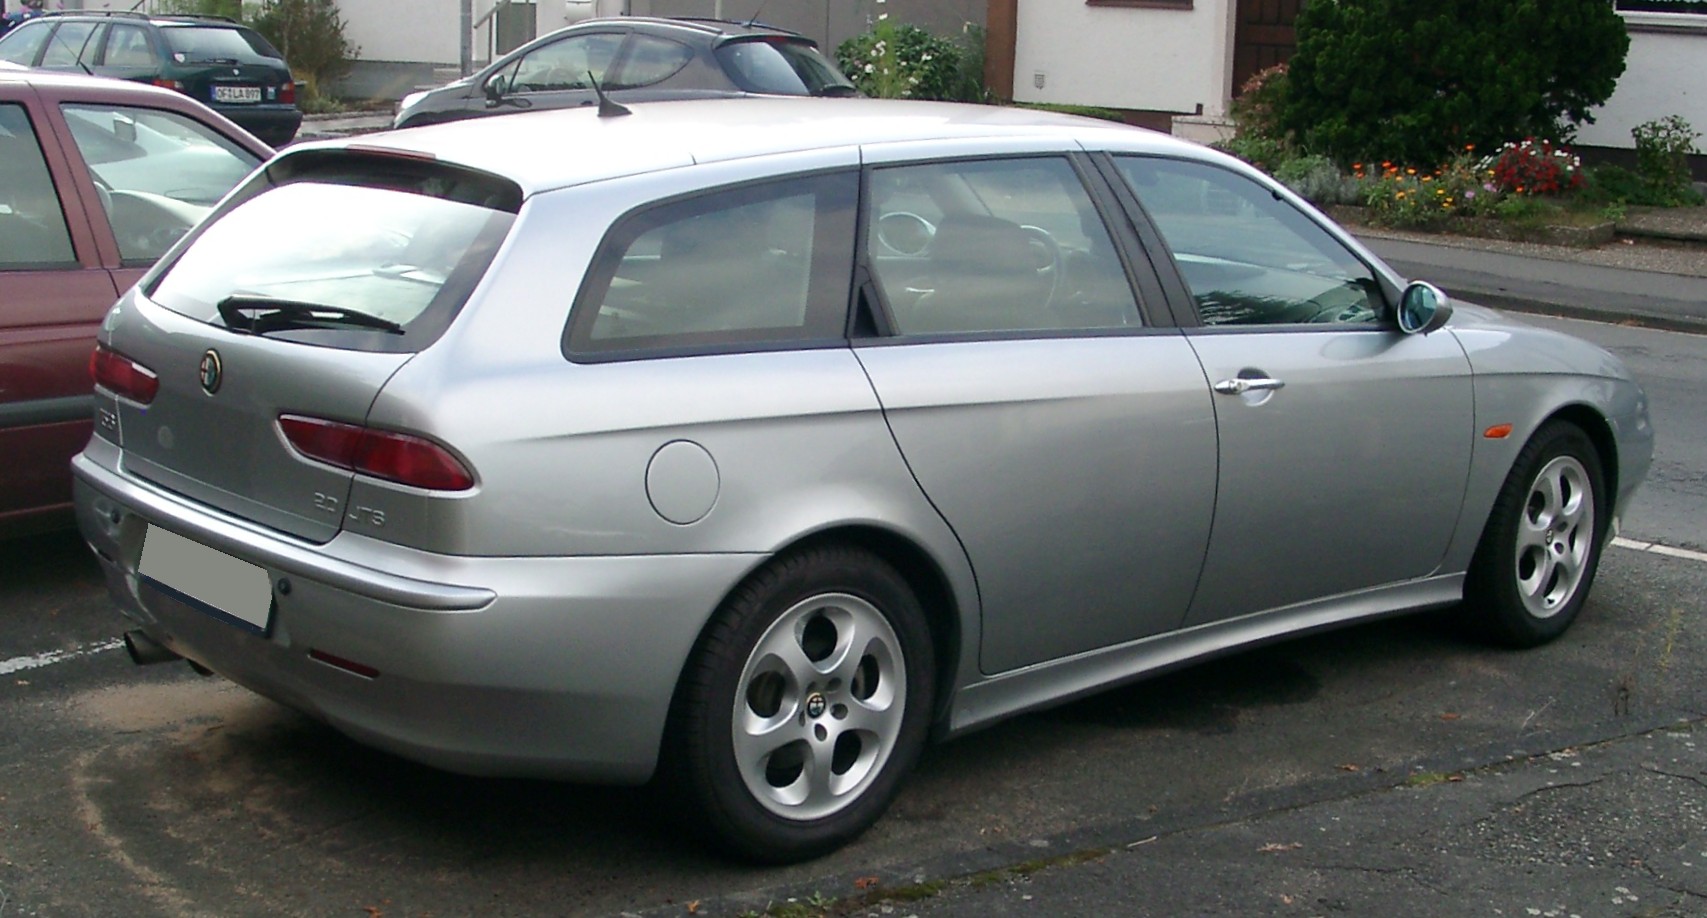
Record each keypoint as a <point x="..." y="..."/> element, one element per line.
<point x="806" y="703"/>
<point x="1538" y="555"/>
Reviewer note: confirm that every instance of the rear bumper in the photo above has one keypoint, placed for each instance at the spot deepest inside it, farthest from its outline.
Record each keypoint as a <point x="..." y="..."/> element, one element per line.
<point x="544" y="667"/>
<point x="275" y="124"/>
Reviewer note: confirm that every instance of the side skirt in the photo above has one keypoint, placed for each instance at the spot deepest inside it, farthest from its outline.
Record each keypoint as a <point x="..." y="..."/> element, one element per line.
<point x="1060" y="681"/>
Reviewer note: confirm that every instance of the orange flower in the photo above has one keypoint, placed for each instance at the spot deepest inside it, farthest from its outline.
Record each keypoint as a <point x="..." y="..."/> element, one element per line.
<point x="1411" y="171"/>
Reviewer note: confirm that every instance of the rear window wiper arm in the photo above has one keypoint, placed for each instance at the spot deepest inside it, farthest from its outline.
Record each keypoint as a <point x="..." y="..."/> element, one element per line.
<point x="257" y="315"/>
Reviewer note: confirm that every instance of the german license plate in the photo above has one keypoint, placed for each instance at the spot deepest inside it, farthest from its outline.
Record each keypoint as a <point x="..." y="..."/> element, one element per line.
<point x="237" y="94"/>
<point x="207" y="579"/>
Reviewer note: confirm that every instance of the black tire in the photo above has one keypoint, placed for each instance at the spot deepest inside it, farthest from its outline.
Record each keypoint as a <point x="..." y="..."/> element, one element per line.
<point x="1539" y="551"/>
<point x="798" y="725"/>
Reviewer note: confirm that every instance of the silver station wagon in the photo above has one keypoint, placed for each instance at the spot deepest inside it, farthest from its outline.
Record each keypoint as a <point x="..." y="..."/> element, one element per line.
<point x="753" y="443"/>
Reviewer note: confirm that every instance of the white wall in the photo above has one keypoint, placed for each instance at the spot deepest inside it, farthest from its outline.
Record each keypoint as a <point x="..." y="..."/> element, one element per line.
<point x="1170" y="60"/>
<point x="1665" y="74"/>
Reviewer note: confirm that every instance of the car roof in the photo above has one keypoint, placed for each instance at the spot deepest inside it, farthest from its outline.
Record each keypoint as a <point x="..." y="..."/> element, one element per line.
<point x="710" y="28"/>
<point x="554" y="149"/>
<point x="161" y="19"/>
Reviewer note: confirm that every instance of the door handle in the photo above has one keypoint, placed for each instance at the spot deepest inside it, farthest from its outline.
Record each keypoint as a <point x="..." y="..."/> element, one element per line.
<point x="1241" y="385"/>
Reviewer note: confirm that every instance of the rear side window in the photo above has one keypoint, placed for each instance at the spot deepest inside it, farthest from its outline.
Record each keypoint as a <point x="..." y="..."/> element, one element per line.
<point x="410" y="242"/>
<point x="741" y="267"/>
<point x="650" y="60"/>
<point x="128" y="46"/>
<point x="786" y="68"/>
<point x="32" y="224"/>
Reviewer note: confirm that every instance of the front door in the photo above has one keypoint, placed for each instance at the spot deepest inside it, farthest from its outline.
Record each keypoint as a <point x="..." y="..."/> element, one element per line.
<point x="1344" y="444"/>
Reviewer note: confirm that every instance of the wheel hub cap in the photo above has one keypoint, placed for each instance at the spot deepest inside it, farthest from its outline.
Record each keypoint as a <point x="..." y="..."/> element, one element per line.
<point x="1555" y="537"/>
<point x="819" y="707"/>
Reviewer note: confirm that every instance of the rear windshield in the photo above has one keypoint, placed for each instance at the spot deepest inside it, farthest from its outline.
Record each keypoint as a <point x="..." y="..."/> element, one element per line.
<point x="372" y="243"/>
<point x="191" y="44"/>
<point x="788" y="67"/>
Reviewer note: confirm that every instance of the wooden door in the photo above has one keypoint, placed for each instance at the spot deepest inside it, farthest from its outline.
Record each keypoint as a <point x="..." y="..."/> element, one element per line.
<point x="1263" y="37"/>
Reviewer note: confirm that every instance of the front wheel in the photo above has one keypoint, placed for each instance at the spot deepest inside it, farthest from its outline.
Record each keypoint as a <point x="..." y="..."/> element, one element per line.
<point x="1537" y="558"/>
<point x="805" y="704"/>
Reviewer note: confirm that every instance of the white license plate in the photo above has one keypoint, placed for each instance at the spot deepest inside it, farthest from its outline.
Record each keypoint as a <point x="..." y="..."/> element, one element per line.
<point x="210" y="580"/>
<point x="237" y="94"/>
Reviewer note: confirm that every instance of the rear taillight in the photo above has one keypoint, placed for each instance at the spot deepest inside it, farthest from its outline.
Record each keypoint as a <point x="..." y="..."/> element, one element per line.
<point x="167" y="84"/>
<point x="287" y="92"/>
<point x="403" y="458"/>
<point x="122" y="376"/>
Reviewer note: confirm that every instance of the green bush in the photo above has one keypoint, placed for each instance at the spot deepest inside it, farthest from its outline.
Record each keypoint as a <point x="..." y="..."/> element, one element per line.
<point x="900" y="61"/>
<point x="1318" y="180"/>
<point x="1662" y="160"/>
<point x="1403" y="81"/>
<point x="310" y="34"/>
<point x="230" y="9"/>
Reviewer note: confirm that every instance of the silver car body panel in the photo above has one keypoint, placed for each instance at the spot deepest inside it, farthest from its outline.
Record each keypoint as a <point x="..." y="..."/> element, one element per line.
<point x="537" y="623"/>
<point x="1366" y="447"/>
<point x="1066" y="433"/>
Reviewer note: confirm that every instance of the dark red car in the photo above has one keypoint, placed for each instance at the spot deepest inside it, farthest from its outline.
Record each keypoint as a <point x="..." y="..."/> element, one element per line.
<point x="98" y="178"/>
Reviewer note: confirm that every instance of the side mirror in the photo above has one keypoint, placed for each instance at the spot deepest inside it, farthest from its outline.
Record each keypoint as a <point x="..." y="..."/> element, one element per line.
<point x="124" y="129"/>
<point x="494" y="89"/>
<point x="1423" y="308"/>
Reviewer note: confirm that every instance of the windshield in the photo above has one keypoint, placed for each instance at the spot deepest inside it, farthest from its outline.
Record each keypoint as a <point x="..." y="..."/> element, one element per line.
<point x="396" y="257"/>
<point x="791" y="67"/>
<point x="190" y="44"/>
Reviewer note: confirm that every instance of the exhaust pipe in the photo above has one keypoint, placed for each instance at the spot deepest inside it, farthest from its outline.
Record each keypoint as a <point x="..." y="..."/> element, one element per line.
<point x="144" y="650"/>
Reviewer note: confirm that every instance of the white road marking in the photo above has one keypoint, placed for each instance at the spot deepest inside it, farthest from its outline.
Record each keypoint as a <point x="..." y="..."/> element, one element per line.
<point x="20" y="664"/>
<point x="1654" y="548"/>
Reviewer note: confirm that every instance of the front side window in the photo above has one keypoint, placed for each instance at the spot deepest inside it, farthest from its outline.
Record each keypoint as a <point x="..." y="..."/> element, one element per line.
<point x="32" y="223"/>
<point x="753" y="264"/>
<point x="568" y="64"/>
<point x="409" y="245"/>
<point x="993" y="246"/>
<point x="652" y="60"/>
<point x="21" y="45"/>
<point x="157" y="173"/>
<point x="1249" y="257"/>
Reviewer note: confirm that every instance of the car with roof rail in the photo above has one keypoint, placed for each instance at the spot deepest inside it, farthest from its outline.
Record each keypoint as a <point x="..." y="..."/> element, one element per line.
<point x="751" y="444"/>
<point x="634" y="58"/>
<point x="98" y="178"/>
<point x="217" y="61"/>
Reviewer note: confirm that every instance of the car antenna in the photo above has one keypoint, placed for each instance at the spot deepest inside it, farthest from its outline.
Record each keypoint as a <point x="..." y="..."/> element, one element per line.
<point x="757" y="13"/>
<point x="607" y="108"/>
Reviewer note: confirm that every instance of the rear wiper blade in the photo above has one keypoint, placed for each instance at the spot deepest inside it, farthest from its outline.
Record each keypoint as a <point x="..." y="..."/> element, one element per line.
<point x="836" y="92"/>
<point x="257" y="315"/>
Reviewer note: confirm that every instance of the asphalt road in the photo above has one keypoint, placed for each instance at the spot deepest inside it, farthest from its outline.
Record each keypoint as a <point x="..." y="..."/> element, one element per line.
<point x="1307" y="777"/>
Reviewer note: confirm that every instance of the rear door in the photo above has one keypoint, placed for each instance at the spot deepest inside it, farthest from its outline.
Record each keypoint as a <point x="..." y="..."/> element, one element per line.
<point x="1065" y="436"/>
<point x="274" y="314"/>
<point x="53" y="293"/>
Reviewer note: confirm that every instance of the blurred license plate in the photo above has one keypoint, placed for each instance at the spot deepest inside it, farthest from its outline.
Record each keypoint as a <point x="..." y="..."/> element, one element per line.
<point x="210" y="580"/>
<point x="237" y="94"/>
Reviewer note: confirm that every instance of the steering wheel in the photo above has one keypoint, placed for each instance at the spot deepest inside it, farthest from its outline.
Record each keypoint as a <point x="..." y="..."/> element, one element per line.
<point x="1049" y="264"/>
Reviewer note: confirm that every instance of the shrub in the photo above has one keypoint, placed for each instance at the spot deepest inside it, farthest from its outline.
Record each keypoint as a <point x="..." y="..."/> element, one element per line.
<point x="1256" y="112"/>
<point x="1534" y="167"/>
<point x="1662" y="159"/>
<point x="1415" y="82"/>
<point x="1318" y="180"/>
<point x="899" y="61"/>
<point x="968" y="82"/>
<point x="310" y="34"/>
